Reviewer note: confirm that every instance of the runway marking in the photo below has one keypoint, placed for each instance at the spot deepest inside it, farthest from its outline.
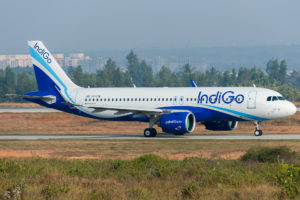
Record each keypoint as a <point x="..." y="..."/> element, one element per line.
<point x="159" y="136"/>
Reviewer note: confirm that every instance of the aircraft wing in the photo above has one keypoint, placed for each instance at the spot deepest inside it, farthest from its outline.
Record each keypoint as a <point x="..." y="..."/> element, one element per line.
<point x="136" y="110"/>
<point x="149" y="112"/>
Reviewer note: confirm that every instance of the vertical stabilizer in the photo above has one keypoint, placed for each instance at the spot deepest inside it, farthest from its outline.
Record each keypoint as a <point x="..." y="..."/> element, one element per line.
<point x="49" y="74"/>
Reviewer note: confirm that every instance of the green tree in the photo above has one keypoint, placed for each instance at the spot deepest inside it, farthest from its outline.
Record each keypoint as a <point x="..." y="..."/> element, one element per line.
<point x="9" y="81"/>
<point x="24" y="83"/>
<point x="282" y="72"/>
<point x="76" y="74"/>
<point x="112" y="76"/>
<point x="163" y="77"/>
<point x="133" y="67"/>
<point x="140" y="72"/>
<point x="186" y="74"/>
<point x="273" y="69"/>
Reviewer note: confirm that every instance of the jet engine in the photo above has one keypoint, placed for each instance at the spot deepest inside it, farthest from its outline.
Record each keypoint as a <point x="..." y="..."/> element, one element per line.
<point x="178" y="123"/>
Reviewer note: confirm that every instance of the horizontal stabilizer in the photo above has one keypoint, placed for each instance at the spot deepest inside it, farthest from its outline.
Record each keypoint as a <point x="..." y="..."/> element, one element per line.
<point x="50" y="99"/>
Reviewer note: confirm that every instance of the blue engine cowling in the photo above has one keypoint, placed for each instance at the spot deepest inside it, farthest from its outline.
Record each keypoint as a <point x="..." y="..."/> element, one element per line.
<point x="178" y="123"/>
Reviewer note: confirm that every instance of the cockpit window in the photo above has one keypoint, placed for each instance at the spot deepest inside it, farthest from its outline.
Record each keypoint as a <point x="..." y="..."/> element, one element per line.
<point x="274" y="98"/>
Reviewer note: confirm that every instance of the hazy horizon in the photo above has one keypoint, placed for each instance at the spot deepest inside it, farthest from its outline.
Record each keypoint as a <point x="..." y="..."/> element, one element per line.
<point x="89" y="26"/>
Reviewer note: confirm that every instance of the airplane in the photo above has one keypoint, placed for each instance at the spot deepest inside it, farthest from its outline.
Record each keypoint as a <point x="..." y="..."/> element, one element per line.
<point x="176" y="110"/>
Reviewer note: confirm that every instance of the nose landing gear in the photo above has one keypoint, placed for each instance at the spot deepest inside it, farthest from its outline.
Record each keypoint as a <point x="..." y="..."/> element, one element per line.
<point x="257" y="131"/>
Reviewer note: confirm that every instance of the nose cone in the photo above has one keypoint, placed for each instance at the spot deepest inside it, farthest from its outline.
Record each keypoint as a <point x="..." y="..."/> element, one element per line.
<point x="291" y="109"/>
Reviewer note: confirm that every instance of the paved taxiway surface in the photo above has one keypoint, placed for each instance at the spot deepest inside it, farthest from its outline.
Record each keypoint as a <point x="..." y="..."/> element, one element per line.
<point x="26" y="110"/>
<point x="159" y="136"/>
<point x="38" y="109"/>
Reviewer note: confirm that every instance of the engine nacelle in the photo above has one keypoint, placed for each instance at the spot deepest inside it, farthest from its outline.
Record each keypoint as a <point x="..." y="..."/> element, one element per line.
<point x="220" y="125"/>
<point x="178" y="123"/>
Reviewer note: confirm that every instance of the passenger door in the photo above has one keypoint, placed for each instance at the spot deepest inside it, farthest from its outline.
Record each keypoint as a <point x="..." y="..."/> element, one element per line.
<point x="251" y="101"/>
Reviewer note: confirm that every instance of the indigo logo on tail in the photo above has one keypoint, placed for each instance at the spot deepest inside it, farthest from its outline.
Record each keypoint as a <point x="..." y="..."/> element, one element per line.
<point x="43" y="53"/>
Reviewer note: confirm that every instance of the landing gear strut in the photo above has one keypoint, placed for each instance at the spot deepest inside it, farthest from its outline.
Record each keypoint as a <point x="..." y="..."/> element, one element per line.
<point x="150" y="132"/>
<point x="257" y="131"/>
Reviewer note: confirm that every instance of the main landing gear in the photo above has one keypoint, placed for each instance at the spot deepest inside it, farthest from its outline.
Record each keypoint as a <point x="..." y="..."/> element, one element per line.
<point x="257" y="131"/>
<point x="150" y="132"/>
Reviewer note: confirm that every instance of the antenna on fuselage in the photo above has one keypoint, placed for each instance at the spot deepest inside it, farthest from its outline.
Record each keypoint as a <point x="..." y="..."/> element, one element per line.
<point x="254" y="85"/>
<point x="132" y="82"/>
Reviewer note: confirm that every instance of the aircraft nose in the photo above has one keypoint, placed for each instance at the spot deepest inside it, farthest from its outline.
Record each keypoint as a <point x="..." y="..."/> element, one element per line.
<point x="292" y="109"/>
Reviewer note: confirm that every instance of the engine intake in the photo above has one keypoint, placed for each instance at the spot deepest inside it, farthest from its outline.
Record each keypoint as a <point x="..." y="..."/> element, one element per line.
<point x="220" y="125"/>
<point x="178" y="123"/>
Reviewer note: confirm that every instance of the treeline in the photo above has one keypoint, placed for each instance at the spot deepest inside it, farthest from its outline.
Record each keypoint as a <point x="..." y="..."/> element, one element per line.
<point x="140" y="74"/>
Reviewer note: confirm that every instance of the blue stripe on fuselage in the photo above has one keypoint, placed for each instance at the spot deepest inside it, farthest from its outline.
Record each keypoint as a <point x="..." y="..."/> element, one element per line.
<point x="252" y="117"/>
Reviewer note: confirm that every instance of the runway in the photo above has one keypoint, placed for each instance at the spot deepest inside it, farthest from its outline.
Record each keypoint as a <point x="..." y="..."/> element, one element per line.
<point x="159" y="136"/>
<point x="39" y="109"/>
<point x="26" y="110"/>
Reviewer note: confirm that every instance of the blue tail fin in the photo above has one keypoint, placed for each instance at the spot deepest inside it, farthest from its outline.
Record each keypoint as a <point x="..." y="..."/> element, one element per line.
<point x="49" y="74"/>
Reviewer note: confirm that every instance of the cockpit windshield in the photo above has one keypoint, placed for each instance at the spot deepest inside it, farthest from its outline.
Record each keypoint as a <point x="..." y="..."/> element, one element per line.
<point x="275" y="98"/>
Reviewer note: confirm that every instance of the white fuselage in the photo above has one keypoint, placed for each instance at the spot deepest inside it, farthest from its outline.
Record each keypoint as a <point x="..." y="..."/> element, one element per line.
<point x="244" y="103"/>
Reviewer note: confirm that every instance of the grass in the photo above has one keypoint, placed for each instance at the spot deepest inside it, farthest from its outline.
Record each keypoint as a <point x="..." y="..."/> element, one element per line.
<point x="128" y="149"/>
<point x="146" y="177"/>
<point x="270" y="154"/>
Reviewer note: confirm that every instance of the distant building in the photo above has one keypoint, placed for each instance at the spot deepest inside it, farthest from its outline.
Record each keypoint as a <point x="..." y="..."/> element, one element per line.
<point x="24" y="60"/>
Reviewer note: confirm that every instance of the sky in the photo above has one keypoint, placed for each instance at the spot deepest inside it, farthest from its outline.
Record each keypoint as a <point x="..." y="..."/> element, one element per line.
<point x="92" y="25"/>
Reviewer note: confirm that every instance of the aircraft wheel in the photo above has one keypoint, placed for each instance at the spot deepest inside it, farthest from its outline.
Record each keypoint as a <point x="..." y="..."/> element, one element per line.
<point x="258" y="132"/>
<point x="150" y="132"/>
<point x="153" y="131"/>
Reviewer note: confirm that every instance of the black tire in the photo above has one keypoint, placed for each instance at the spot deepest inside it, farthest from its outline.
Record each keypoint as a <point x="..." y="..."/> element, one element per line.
<point x="258" y="132"/>
<point x="150" y="132"/>
<point x="153" y="131"/>
<point x="147" y="132"/>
